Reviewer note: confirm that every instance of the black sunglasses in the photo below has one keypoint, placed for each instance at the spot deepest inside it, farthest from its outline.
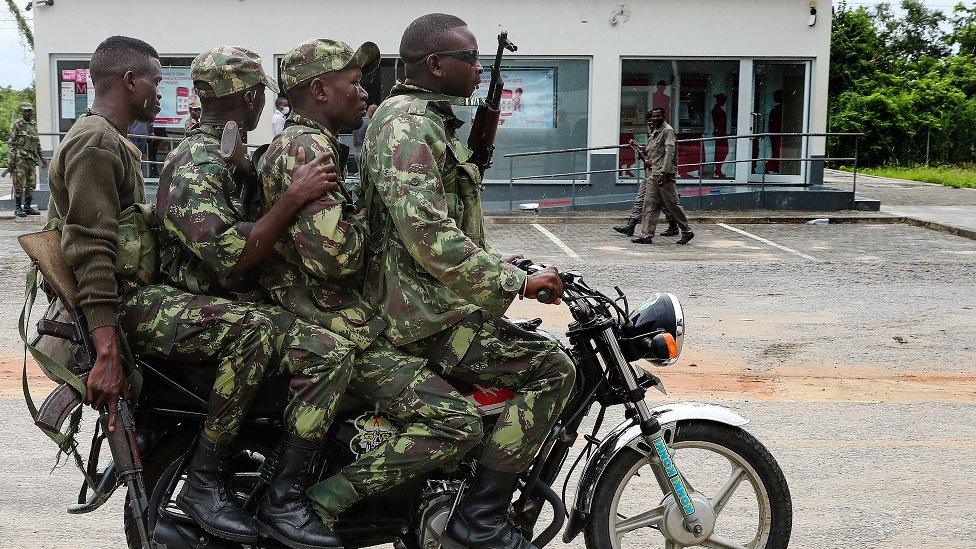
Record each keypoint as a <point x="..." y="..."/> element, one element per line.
<point x="468" y="56"/>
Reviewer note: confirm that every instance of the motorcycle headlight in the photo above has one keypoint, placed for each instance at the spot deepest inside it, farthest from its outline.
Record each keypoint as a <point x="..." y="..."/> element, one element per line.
<point x="656" y="330"/>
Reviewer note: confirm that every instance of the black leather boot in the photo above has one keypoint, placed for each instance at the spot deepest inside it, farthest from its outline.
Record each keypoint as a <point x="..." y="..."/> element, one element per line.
<point x="209" y="500"/>
<point x="19" y="210"/>
<point x="285" y="514"/>
<point x="686" y="237"/>
<point x="672" y="229"/>
<point x="29" y="206"/>
<point x="628" y="227"/>
<point x="481" y="519"/>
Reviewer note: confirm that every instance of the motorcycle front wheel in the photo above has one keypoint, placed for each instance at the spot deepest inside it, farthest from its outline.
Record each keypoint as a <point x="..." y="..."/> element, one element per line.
<point x="738" y="489"/>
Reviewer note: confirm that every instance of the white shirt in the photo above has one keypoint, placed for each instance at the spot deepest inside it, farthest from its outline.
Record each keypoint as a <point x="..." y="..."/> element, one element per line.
<point x="278" y="122"/>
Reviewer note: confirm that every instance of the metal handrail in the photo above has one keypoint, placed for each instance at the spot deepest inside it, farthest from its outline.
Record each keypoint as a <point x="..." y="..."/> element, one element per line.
<point x="701" y="163"/>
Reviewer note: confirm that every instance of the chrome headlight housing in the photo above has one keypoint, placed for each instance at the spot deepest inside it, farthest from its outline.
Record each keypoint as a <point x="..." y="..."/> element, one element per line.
<point x="656" y="330"/>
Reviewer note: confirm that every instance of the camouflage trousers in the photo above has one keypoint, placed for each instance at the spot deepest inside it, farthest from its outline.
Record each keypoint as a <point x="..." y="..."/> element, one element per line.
<point x="435" y="425"/>
<point x="504" y="356"/>
<point x="24" y="179"/>
<point x="246" y="343"/>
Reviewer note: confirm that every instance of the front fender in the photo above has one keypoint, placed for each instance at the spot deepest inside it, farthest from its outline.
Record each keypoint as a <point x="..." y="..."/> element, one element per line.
<point x="628" y="435"/>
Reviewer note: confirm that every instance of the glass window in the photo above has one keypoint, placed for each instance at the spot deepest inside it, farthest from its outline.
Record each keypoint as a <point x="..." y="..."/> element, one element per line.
<point x="545" y="106"/>
<point x="706" y="106"/>
<point x="780" y="91"/>
<point x="75" y="94"/>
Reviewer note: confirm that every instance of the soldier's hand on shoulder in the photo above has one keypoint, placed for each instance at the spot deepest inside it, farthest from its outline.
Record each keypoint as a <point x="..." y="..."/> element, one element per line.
<point x="313" y="180"/>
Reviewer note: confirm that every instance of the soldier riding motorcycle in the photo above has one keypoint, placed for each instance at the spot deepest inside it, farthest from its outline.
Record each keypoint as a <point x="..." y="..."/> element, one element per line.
<point x="663" y="472"/>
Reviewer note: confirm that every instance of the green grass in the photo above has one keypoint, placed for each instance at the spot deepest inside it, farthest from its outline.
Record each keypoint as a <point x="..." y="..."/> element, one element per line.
<point x="963" y="176"/>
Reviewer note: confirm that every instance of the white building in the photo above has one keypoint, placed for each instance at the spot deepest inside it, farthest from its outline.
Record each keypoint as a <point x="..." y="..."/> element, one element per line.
<point x="588" y="69"/>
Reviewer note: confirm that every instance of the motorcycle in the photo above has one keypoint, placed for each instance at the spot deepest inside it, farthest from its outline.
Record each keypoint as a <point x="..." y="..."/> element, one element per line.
<point x="663" y="476"/>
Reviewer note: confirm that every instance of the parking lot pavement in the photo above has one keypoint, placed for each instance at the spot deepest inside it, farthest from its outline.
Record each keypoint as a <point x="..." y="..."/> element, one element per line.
<point x="581" y="244"/>
<point x="856" y="365"/>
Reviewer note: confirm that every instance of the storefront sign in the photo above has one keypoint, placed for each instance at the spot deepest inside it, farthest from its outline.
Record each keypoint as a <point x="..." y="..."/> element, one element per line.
<point x="528" y="98"/>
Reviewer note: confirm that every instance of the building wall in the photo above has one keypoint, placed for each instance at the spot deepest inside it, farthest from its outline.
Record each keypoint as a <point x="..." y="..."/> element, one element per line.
<point x="578" y="28"/>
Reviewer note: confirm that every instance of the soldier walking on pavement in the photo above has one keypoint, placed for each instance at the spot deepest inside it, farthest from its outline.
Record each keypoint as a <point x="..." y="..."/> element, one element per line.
<point x="661" y="192"/>
<point x="211" y="245"/>
<point x="439" y="285"/>
<point x="322" y="280"/>
<point x="637" y="211"/>
<point x="25" y="155"/>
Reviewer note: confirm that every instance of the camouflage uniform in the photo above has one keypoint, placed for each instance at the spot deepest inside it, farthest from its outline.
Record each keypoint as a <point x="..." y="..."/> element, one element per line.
<point x="321" y="281"/>
<point x="439" y="285"/>
<point x="25" y="150"/>
<point x="205" y="226"/>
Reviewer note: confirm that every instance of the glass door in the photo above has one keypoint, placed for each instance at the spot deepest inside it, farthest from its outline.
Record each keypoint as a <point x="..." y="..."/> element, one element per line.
<point x="780" y="106"/>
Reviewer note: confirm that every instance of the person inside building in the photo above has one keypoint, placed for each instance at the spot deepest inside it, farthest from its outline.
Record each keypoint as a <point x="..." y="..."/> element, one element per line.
<point x="282" y="109"/>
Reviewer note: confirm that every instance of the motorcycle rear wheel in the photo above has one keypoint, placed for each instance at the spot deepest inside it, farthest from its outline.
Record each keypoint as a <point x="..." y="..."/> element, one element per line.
<point x="627" y="516"/>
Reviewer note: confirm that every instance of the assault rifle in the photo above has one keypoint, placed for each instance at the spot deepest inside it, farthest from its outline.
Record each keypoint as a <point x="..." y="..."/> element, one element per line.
<point x="485" y="124"/>
<point x="44" y="248"/>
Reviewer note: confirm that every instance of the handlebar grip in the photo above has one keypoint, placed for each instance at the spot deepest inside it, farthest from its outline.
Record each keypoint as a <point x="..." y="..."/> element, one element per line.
<point x="544" y="296"/>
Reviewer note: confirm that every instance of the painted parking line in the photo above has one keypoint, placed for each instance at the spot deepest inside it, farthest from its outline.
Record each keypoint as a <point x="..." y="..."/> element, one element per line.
<point x="555" y="239"/>
<point x="767" y="242"/>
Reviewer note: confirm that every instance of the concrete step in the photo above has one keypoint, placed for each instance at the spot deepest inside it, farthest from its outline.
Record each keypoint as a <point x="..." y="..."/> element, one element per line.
<point x="866" y="204"/>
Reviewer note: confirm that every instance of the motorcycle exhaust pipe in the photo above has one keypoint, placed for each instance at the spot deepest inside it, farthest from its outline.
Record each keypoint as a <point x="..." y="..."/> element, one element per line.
<point x="558" y="510"/>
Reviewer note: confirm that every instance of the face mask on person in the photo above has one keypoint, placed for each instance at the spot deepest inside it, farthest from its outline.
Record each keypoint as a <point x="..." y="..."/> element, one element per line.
<point x="286" y="111"/>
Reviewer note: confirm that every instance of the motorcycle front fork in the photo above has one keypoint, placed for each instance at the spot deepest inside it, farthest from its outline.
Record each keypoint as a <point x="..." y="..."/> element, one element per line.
<point x="653" y="435"/>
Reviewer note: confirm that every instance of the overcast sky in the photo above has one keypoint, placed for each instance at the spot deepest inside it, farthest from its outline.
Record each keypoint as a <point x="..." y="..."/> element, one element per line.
<point x="17" y="62"/>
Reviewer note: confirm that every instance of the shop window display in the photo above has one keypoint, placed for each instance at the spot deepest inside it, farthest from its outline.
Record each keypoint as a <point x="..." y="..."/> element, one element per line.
<point x="700" y="99"/>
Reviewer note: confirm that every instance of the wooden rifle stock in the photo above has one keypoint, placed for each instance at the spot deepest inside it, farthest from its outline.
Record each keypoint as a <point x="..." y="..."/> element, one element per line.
<point x="485" y="124"/>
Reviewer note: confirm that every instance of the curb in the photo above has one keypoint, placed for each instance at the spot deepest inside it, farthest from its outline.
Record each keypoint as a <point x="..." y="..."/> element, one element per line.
<point x="739" y="220"/>
<point x="747" y="220"/>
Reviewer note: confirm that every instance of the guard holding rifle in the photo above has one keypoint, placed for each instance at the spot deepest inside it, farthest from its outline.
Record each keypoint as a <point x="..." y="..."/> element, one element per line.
<point x="660" y="170"/>
<point x="438" y="283"/>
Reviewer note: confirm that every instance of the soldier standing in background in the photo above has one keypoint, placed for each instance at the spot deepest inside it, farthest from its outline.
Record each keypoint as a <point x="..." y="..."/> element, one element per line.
<point x="25" y="155"/>
<point x="322" y="280"/>
<point x="661" y="192"/>
<point x="210" y="245"/>
<point x="439" y="285"/>
<point x="193" y="121"/>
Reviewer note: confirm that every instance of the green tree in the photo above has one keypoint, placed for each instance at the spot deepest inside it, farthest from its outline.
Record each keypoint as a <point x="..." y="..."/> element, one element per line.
<point x="22" y="25"/>
<point x="918" y="33"/>
<point x="964" y="29"/>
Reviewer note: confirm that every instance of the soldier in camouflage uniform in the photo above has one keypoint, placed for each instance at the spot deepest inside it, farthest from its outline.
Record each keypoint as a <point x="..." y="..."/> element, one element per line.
<point x="25" y="155"/>
<point x="440" y="286"/>
<point x="322" y="278"/>
<point x="193" y="121"/>
<point x="210" y="242"/>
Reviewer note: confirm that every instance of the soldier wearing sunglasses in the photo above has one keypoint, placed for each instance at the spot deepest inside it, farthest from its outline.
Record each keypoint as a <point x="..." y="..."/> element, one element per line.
<point x="442" y="289"/>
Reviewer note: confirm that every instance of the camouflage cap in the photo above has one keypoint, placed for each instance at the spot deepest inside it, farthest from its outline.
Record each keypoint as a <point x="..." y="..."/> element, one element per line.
<point x="25" y="106"/>
<point x="228" y="70"/>
<point x="321" y="55"/>
<point x="194" y="103"/>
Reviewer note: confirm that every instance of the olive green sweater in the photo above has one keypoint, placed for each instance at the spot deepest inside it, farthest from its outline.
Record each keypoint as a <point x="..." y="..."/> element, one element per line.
<point x="94" y="176"/>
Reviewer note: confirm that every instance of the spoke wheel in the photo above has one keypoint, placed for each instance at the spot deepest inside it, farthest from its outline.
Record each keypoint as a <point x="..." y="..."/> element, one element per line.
<point x="740" y="493"/>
